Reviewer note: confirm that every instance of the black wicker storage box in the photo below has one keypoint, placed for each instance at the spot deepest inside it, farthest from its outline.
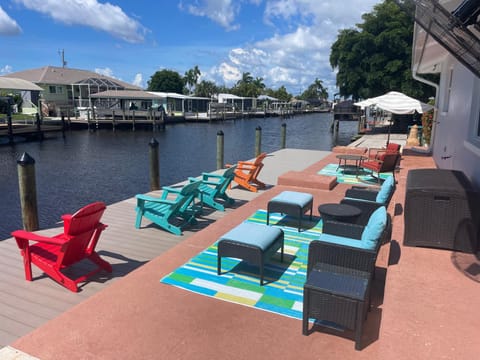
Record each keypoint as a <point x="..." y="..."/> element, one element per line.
<point x="441" y="210"/>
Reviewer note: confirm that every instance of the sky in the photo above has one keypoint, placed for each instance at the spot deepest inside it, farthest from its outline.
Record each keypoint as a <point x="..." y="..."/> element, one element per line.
<point x="284" y="42"/>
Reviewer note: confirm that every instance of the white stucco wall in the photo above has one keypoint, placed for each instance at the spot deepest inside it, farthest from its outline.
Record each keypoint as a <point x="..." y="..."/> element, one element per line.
<point x="456" y="143"/>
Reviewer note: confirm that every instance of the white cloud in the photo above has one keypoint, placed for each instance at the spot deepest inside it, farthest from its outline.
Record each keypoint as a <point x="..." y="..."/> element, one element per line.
<point x="105" y="17"/>
<point x="138" y="80"/>
<point x="8" y="26"/>
<point x="7" y="69"/>
<point x="299" y="51"/>
<point x="229" y="73"/>
<point x="106" y="71"/>
<point x="223" y="12"/>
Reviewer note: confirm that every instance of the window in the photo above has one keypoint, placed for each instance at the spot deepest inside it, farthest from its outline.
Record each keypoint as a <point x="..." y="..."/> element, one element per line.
<point x="446" y="103"/>
<point x="52" y="89"/>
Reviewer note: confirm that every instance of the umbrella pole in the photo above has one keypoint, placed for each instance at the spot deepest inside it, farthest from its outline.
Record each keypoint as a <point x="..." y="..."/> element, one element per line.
<point x="389" y="129"/>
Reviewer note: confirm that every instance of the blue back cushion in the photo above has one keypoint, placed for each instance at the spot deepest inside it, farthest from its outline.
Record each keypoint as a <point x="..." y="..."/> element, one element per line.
<point x="375" y="226"/>
<point x="385" y="190"/>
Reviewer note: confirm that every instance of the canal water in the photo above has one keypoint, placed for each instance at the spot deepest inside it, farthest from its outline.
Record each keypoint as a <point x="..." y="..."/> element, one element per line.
<point x="112" y="166"/>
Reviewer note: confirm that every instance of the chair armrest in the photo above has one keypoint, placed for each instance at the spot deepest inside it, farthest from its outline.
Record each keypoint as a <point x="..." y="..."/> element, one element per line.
<point x="22" y="235"/>
<point x="340" y="255"/>
<point x="142" y="197"/>
<point x="364" y="194"/>
<point x="343" y="229"/>
<point x="208" y="182"/>
<point x="246" y="163"/>
<point x="372" y="152"/>
<point x="172" y="189"/>
<point x="206" y="176"/>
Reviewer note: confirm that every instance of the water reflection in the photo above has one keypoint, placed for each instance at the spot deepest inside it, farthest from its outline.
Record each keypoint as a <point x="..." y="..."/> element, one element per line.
<point x="113" y="166"/>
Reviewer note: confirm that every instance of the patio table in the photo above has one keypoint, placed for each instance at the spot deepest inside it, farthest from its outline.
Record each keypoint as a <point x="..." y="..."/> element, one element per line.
<point x="350" y="157"/>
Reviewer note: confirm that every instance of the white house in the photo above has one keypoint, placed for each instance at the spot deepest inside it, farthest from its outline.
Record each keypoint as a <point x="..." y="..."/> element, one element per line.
<point x="446" y="42"/>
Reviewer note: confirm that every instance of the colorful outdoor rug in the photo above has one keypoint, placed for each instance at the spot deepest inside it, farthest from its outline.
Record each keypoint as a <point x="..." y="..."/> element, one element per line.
<point x="282" y="291"/>
<point x="349" y="176"/>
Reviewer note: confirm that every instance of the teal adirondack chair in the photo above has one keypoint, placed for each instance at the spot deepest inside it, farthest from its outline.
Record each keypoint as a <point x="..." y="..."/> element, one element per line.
<point x="214" y="186"/>
<point x="172" y="205"/>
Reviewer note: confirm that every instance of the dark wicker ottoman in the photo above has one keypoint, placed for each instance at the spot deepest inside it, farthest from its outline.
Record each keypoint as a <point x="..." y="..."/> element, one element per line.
<point x="254" y="243"/>
<point x="291" y="203"/>
<point x="339" y="295"/>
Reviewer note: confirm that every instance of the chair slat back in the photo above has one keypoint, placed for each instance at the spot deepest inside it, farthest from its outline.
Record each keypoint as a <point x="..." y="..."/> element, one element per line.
<point x="82" y="229"/>
<point x="228" y="176"/>
<point x="389" y="162"/>
<point x="187" y="195"/>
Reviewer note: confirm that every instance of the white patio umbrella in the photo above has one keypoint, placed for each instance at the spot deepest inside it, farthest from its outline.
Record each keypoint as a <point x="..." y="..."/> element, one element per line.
<point x="399" y="103"/>
<point x="396" y="103"/>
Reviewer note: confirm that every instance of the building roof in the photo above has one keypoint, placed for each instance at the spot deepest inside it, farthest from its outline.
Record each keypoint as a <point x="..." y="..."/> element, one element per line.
<point x="9" y="83"/>
<point x="65" y="76"/>
<point x="125" y="94"/>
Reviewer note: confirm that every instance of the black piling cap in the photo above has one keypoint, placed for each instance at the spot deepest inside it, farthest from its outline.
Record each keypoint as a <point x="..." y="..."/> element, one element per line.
<point x="153" y="143"/>
<point x="25" y="159"/>
<point x="220" y="132"/>
<point x="258" y="128"/>
<point x="284" y="125"/>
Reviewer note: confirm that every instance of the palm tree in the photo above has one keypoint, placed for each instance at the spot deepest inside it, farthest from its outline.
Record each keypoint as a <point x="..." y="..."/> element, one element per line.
<point x="191" y="78"/>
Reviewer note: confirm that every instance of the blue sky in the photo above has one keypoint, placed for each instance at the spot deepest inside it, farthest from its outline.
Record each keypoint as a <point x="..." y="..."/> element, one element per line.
<point x="285" y="42"/>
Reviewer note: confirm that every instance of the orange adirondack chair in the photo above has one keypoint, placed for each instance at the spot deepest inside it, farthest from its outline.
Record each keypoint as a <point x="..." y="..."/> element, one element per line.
<point x="247" y="172"/>
<point x="81" y="232"/>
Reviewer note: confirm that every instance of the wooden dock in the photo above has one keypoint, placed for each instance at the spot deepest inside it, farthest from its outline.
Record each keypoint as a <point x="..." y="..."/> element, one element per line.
<point x="25" y="306"/>
<point x="27" y="132"/>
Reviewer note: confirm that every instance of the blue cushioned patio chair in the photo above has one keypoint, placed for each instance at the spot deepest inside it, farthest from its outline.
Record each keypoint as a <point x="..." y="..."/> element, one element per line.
<point x="366" y="238"/>
<point x="369" y="199"/>
<point x="174" y="204"/>
<point x="214" y="187"/>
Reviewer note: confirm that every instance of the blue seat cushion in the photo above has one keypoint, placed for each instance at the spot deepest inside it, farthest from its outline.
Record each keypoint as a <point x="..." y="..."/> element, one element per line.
<point x="340" y="240"/>
<point x="293" y="197"/>
<point x="375" y="226"/>
<point x="385" y="190"/>
<point x="253" y="234"/>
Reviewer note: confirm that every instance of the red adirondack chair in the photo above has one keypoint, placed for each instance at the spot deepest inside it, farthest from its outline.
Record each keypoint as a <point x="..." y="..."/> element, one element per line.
<point x="52" y="255"/>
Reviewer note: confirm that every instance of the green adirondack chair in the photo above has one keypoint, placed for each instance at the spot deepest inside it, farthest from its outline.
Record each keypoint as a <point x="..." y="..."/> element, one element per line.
<point x="174" y="204"/>
<point x="214" y="187"/>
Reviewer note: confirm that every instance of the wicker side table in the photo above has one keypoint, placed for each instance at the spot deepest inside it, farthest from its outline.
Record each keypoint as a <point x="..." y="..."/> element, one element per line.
<point x="339" y="295"/>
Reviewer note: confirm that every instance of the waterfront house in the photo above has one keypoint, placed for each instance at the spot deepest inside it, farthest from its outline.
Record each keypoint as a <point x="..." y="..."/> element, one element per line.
<point x="180" y="105"/>
<point x="67" y="89"/>
<point x="446" y="42"/>
<point x="29" y="92"/>
<point x="239" y="103"/>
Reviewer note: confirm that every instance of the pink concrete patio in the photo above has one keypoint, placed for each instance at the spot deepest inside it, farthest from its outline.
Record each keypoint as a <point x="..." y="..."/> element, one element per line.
<point x="424" y="307"/>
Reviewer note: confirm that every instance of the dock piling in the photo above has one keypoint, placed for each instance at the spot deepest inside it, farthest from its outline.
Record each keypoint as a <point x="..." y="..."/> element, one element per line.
<point x="220" y="149"/>
<point x="63" y="126"/>
<point x="154" y="165"/>
<point x="28" y="192"/>
<point x="258" y="140"/>
<point x="283" y="136"/>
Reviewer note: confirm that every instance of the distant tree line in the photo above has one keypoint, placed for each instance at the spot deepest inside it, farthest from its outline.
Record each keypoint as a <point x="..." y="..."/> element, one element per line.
<point x="248" y="86"/>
